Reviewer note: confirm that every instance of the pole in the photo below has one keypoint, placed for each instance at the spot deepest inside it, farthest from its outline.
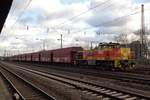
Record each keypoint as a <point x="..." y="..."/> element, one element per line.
<point x="43" y="45"/>
<point x="142" y="31"/>
<point x="61" y="41"/>
<point x="4" y="53"/>
<point x="91" y="45"/>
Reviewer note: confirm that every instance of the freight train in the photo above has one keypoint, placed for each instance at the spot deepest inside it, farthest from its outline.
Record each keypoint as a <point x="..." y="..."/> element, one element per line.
<point x="106" y="56"/>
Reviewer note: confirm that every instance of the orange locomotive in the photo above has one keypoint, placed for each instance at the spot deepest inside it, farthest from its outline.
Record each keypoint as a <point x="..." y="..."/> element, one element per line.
<point x="106" y="56"/>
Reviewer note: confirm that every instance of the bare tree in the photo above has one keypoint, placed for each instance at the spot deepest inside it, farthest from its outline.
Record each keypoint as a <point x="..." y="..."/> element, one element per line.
<point x="121" y="38"/>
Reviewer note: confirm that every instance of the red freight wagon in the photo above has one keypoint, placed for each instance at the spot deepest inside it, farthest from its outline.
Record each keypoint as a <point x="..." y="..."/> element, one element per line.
<point x="46" y="56"/>
<point x="15" y="58"/>
<point x="19" y="58"/>
<point x="65" y="55"/>
<point x="23" y="57"/>
<point x="28" y="57"/>
<point x="35" y="56"/>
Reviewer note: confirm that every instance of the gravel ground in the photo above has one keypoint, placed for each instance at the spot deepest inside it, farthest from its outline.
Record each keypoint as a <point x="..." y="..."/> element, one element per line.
<point x="101" y="80"/>
<point x="4" y="92"/>
<point x="98" y="79"/>
<point x="141" y="69"/>
<point x="59" y="90"/>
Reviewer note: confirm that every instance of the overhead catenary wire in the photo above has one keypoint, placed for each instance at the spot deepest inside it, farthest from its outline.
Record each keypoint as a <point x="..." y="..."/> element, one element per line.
<point x="13" y="7"/>
<point x="21" y="14"/>
<point x="72" y="18"/>
<point x="76" y="16"/>
<point x="111" y="21"/>
<point x="104" y="23"/>
<point x="56" y="29"/>
<point x="108" y="22"/>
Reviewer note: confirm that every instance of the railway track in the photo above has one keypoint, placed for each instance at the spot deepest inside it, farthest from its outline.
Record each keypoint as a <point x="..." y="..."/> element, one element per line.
<point x="123" y="76"/>
<point x="131" y="80"/>
<point x="44" y="84"/>
<point x="87" y="87"/>
<point x="141" y="69"/>
<point x="24" y="89"/>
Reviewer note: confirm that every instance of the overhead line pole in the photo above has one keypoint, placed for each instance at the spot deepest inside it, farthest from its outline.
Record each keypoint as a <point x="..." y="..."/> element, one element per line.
<point x="143" y="41"/>
<point x="61" y="40"/>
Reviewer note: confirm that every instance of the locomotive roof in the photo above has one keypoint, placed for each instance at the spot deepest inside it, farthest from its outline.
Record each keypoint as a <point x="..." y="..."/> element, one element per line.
<point x="109" y="44"/>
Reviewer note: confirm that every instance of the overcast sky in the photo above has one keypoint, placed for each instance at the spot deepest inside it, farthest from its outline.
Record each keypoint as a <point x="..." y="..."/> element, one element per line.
<point x="33" y="22"/>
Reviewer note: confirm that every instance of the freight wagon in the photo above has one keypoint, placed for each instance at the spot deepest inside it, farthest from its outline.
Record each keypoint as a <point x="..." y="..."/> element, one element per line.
<point x="28" y="57"/>
<point x="46" y="56"/>
<point x="65" y="55"/>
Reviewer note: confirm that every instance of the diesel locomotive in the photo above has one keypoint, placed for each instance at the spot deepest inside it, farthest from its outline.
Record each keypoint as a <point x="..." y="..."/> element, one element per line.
<point x="108" y="56"/>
